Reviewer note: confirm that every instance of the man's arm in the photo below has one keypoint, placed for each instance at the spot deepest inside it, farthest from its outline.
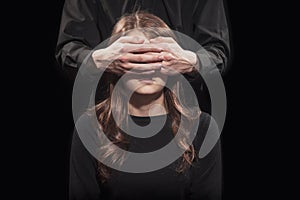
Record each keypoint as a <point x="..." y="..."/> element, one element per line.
<point x="211" y="31"/>
<point x="78" y="33"/>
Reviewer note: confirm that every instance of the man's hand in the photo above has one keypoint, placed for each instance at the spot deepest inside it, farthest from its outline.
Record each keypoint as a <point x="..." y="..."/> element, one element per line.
<point x="127" y="55"/>
<point x="175" y="59"/>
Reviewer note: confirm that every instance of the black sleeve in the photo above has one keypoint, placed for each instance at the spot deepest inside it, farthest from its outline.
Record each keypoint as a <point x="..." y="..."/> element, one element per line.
<point x="83" y="182"/>
<point x="78" y="33"/>
<point x="206" y="172"/>
<point x="211" y="31"/>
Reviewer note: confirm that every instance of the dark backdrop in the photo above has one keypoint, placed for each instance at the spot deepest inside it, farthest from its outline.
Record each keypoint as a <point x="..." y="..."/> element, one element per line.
<point x="49" y="113"/>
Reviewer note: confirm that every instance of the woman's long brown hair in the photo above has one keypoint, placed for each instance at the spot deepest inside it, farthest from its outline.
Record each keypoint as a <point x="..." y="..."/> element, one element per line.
<point x="152" y="27"/>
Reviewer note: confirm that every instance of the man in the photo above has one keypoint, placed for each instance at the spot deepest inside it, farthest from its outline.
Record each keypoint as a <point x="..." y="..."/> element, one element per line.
<point x="85" y="24"/>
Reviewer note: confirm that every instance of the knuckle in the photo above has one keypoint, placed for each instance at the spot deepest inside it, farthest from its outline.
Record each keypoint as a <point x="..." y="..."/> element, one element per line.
<point x="126" y="66"/>
<point x="122" y="48"/>
<point x="168" y="64"/>
<point x="122" y="59"/>
<point x="119" y="46"/>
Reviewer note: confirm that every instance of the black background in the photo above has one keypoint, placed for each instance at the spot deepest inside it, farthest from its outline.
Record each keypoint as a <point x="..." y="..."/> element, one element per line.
<point x="42" y="114"/>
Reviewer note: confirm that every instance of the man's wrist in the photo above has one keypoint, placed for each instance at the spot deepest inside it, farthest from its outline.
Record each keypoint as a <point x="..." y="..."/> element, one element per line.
<point x="195" y="61"/>
<point x="196" y="66"/>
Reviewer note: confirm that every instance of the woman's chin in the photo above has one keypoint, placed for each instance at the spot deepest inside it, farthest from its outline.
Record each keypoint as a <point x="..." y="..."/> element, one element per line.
<point x="149" y="89"/>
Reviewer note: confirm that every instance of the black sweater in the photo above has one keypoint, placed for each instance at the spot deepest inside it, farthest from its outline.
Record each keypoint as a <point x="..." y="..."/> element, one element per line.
<point x="201" y="181"/>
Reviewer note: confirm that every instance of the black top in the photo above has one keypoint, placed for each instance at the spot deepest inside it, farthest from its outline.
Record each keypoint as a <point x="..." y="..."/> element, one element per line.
<point x="201" y="181"/>
<point x="87" y="23"/>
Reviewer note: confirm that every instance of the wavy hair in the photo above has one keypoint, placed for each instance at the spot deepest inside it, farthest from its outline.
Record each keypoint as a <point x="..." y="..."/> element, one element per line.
<point x="152" y="26"/>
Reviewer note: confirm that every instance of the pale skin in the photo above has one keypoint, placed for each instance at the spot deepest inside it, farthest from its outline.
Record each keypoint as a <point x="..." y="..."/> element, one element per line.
<point x="145" y="65"/>
<point x="147" y="104"/>
<point x="147" y="98"/>
<point x="135" y="54"/>
<point x="121" y="52"/>
<point x="174" y="58"/>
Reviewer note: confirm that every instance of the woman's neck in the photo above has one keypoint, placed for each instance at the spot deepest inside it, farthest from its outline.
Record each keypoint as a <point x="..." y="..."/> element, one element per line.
<point x="147" y="104"/>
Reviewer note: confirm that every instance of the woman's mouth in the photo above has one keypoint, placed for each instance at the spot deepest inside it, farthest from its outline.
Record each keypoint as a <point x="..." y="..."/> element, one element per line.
<point x="146" y="80"/>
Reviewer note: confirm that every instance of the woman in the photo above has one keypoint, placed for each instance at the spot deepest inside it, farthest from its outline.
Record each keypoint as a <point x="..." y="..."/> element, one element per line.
<point x="188" y="177"/>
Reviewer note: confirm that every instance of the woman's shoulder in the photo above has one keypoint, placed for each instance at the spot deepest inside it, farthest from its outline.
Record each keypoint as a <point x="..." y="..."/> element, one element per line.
<point x="207" y="134"/>
<point x="87" y="131"/>
<point x="86" y="122"/>
<point x="204" y="119"/>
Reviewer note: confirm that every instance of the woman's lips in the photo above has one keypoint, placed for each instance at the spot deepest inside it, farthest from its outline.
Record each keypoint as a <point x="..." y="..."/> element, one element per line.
<point x="146" y="80"/>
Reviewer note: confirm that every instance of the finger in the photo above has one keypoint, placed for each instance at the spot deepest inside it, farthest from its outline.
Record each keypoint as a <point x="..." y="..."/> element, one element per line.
<point x="167" y="56"/>
<point x="140" y="48"/>
<point x="131" y="39"/>
<point x="177" y="66"/>
<point x="141" y="58"/>
<point x="153" y="53"/>
<point x="170" y="63"/>
<point x="133" y="72"/>
<point x="167" y="47"/>
<point x="170" y="67"/>
<point x="141" y="67"/>
<point x="165" y="71"/>
<point x="161" y="39"/>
